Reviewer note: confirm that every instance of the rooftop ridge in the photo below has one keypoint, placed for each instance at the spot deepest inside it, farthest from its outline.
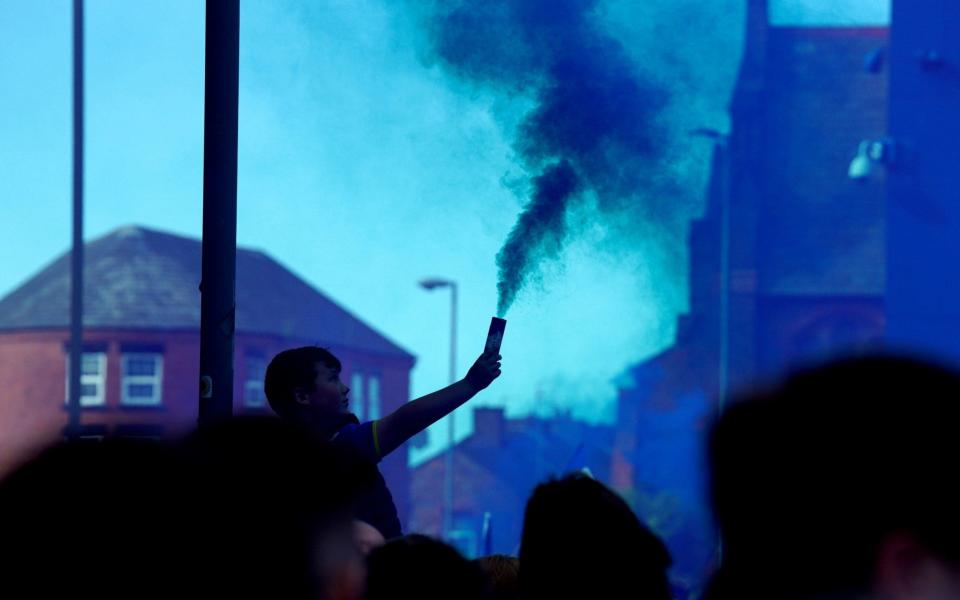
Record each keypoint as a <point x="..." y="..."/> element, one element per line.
<point x="142" y="278"/>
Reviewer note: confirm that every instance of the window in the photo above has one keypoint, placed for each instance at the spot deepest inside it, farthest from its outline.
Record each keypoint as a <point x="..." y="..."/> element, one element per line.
<point x="256" y="367"/>
<point x="142" y="378"/>
<point x="93" y="375"/>
<point x="356" y="395"/>
<point x="374" y="408"/>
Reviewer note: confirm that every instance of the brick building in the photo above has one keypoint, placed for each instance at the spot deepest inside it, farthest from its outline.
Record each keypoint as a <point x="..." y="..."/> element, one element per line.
<point x="496" y="469"/>
<point x="805" y="277"/>
<point x="922" y="298"/>
<point x="141" y="345"/>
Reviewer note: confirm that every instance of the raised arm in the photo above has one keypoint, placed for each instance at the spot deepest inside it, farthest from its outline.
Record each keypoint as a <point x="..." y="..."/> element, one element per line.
<point x="416" y="415"/>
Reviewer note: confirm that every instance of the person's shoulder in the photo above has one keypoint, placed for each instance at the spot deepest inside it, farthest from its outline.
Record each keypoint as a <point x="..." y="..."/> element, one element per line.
<point x="350" y="426"/>
<point x="362" y="436"/>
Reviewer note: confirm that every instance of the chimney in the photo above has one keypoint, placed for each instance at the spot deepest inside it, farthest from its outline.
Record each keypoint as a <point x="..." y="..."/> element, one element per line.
<point x="757" y="25"/>
<point x="489" y="424"/>
<point x="748" y="91"/>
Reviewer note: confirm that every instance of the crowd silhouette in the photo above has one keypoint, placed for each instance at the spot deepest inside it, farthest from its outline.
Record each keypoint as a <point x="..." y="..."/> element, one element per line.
<point x="837" y="483"/>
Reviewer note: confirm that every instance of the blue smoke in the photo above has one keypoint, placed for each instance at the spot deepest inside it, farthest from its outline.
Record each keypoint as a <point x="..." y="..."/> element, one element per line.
<point x="594" y="128"/>
<point x="540" y="228"/>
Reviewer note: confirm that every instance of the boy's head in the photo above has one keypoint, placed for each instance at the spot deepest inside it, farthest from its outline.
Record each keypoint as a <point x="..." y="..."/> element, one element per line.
<point x="305" y="382"/>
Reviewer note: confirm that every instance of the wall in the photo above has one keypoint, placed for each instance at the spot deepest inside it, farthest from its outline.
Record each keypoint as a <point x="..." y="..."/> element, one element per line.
<point x="33" y="389"/>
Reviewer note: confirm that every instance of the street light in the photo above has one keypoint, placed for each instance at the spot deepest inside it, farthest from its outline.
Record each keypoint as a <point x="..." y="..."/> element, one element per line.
<point x="722" y="148"/>
<point x="430" y="285"/>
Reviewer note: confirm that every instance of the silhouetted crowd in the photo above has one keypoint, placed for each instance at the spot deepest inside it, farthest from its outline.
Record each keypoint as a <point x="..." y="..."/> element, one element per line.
<point x="837" y="483"/>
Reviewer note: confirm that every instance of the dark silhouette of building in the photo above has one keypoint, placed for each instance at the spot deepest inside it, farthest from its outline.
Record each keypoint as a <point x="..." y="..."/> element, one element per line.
<point x="807" y="260"/>
<point x="805" y="268"/>
<point x="923" y="215"/>
<point x="141" y="345"/>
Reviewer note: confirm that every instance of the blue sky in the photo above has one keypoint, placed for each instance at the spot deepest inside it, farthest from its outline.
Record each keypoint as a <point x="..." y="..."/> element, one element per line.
<point x="833" y="12"/>
<point x="363" y="168"/>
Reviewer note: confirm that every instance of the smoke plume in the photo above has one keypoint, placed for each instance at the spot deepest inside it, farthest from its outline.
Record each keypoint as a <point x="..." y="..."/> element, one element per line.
<point x="594" y="130"/>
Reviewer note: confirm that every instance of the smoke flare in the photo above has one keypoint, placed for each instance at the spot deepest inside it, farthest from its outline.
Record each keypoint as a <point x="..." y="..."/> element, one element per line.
<point x="593" y="129"/>
<point x="539" y="229"/>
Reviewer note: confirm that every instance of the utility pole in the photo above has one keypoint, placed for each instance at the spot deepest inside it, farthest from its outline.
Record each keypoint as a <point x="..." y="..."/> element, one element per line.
<point x="449" y="462"/>
<point x="76" y="255"/>
<point x="219" y="263"/>
<point x="448" y="457"/>
<point x="722" y="169"/>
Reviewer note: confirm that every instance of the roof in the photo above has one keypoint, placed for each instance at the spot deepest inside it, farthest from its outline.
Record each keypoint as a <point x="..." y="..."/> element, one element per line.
<point x="820" y="232"/>
<point x="533" y="448"/>
<point x="138" y="278"/>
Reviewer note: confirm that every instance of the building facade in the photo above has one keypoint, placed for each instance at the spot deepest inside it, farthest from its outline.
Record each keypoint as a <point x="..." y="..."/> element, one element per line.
<point x="140" y="366"/>
<point x="787" y="263"/>
<point x="923" y="215"/>
<point x="496" y="469"/>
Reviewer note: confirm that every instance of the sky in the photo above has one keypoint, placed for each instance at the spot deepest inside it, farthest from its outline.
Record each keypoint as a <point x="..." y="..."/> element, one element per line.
<point x="364" y="166"/>
<point x="832" y="12"/>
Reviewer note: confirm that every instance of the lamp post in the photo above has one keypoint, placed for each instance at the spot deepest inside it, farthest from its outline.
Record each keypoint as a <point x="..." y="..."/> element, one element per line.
<point x="722" y="148"/>
<point x="430" y="285"/>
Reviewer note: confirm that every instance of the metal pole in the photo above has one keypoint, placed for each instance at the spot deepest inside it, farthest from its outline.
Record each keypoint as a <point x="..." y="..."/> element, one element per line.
<point x="76" y="256"/>
<point x="721" y="149"/>
<point x="486" y="533"/>
<point x="453" y="332"/>
<point x="448" y="458"/>
<point x="724" y="149"/>
<point x="219" y="263"/>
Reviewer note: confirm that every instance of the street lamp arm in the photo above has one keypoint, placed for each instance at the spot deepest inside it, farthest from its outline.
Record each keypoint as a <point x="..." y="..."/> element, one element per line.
<point x="431" y="283"/>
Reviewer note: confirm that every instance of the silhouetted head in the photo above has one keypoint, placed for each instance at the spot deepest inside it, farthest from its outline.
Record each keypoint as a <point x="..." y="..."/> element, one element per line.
<point x="840" y="484"/>
<point x="416" y="566"/>
<point x="277" y="504"/>
<point x="114" y="518"/>
<point x="303" y="385"/>
<point x="580" y="539"/>
<point x="503" y="576"/>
